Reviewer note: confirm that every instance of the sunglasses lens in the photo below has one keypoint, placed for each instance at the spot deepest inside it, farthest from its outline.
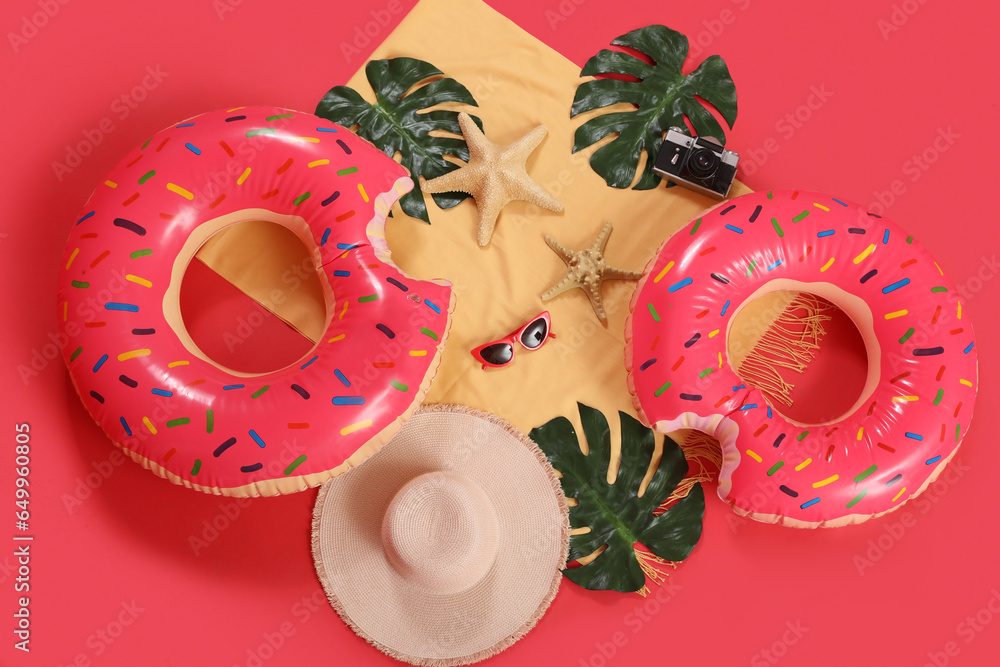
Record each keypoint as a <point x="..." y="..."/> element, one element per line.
<point x="535" y="334"/>
<point x="497" y="354"/>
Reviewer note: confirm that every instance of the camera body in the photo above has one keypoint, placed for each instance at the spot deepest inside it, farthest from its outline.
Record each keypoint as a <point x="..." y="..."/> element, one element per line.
<point x="699" y="163"/>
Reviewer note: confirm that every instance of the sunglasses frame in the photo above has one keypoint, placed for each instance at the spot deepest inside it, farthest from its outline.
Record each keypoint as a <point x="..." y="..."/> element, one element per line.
<point x="515" y="337"/>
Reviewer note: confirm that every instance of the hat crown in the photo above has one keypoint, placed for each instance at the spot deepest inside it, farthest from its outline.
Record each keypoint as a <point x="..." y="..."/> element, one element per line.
<point x="440" y="532"/>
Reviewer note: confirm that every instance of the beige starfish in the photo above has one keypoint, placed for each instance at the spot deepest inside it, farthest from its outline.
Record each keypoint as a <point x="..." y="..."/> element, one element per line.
<point x="588" y="271"/>
<point x="495" y="176"/>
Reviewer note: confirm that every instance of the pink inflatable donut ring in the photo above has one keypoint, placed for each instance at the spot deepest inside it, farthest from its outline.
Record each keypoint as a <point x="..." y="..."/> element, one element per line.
<point x="920" y="391"/>
<point x="146" y="383"/>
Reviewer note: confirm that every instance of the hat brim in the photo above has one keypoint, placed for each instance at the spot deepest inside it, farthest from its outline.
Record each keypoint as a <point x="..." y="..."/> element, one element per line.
<point x="405" y="620"/>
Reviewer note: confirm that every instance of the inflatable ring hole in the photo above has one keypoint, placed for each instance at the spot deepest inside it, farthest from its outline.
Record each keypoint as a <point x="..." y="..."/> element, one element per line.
<point x="803" y="352"/>
<point x="250" y="298"/>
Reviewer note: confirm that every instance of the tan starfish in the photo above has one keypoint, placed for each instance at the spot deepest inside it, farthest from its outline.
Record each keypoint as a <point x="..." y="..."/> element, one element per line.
<point x="495" y="176"/>
<point x="588" y="271"/>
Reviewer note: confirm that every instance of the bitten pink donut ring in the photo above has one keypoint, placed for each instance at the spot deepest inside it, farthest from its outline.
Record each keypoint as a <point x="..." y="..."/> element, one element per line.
<point x="136" y="368"/>
<point x="918" y="399"/>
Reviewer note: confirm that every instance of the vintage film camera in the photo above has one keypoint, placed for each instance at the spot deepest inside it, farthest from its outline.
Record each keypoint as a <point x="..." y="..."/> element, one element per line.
<point x="699" y="163"/>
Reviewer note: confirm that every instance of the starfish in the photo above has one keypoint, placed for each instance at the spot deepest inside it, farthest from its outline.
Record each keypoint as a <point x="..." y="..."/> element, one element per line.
<point x="588" y="271"/>
<point x="495" y="176"/>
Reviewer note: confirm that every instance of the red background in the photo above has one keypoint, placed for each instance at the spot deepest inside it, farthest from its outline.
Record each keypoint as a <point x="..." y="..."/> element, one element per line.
<point x="894" y="591"/>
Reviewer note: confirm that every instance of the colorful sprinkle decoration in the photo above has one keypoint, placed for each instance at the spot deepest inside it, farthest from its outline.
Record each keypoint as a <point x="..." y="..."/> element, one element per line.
<point x="910" y="422"/>
<point x="188" y="418"/>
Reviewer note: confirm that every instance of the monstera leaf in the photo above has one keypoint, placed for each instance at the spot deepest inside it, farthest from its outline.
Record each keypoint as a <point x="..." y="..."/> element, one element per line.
<point x="616" y="515"/>
<point x="663" y="97"/>
<point x="395" y="124"/>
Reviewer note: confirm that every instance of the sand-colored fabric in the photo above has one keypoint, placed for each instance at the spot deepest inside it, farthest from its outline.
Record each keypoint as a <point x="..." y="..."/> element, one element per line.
<point x="519" y="83"/>
<point x="260" y="258"/>
<point x="446" y="546"/>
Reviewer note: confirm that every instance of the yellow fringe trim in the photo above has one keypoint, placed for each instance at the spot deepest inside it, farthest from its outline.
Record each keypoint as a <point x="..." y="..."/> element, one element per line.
<point x="786" y="346"/>
<point x="653" y="567"/>
<point x="704" y="457"/>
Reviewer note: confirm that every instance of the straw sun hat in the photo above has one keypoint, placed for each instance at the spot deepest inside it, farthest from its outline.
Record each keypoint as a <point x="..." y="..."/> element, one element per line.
<point x="445" y="547"/>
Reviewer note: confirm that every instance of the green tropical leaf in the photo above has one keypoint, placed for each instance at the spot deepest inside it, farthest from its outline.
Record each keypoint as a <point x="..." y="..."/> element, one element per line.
<point x="394" y="123"/>
<point x="663" y="97"/>
<point x="615" y="514"/>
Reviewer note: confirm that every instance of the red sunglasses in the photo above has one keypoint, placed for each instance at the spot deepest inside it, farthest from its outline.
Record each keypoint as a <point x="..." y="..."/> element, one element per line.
<point x="531" y="337"/>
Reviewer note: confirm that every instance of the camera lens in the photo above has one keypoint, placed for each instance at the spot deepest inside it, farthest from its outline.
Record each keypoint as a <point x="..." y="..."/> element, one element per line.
<point x="703" y="162"/>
